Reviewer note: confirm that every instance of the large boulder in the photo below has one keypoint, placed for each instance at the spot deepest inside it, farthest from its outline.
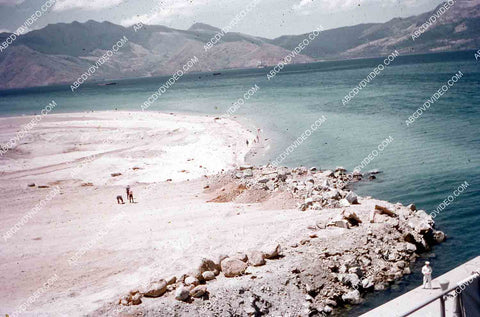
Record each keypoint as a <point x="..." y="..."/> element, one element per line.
<point x="272" y="251"/>
<point x="192" y="281"/>
<point x="240" y="256"/>
<point x="439" y="236"/>
<point x="198" y="291"/>
<point x="247" y="173"/>
<point x="351" y="279"/>
<point x="182" y="294"/>
<point x="156" y="289"/>
<point x="256" y="258"/>
<point x="233" y="267"/>
<point x="352" y="198"/>
<point x="171" y="280"/>
<point x="352" y="297"/>
<point x="343" y="203"/>
<point x="208" y="275"/>
<point x="202" y="265"/>
<point x="367" y="283"/>
<point x="340" y="223"/>
<point x="332" y="194"/>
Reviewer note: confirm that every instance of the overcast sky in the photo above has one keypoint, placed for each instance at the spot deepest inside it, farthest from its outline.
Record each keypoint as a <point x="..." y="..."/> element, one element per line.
<point x="269" y="18"/>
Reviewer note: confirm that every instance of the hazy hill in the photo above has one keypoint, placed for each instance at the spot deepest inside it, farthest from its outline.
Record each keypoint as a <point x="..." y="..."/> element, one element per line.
<point x="457" y="29"/>
<point x="60" y="53"/>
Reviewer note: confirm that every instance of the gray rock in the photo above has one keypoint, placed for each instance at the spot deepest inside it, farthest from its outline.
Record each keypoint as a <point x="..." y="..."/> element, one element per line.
<point x="233" y="267"/>
<point x="201" y="265"/>
<point x="439" y="236"/>
<point x="156" y="289"/>
<point x="240" y="256"/>
<point x="272" y="251"/>
<point x="171" y="280"/>
<point x="256" y="258"/>
<point x="352" y="297"/>
<point x="247" y="173"/>
<point x="331" y="302"/>
<point x="356" y="173"/>
<point x="356" y="270"/>
<point x="309" y="201"/>
<point x="198" y="291"/>
<point x="321" y="224"/>
<point x="182" y="294"/>
<point x="191" y="280"/>
<point x="400" y="264"/>
<point x="367" y="283"/>
<point x="332" y="194"/>
<point x="380" y="287"/>
<point x="327" y="173"/>
<point x="220" y="258"/>
<point x="340" y="223"/>
<point x="351" y="279"/>
<point x="352" y="198"/>
<point x="410" y="247"/>
<point x="343" y="203"/>
<point x="208" y="275"/>
<point x="136" y="299"/>
<point x="263" y="180"/>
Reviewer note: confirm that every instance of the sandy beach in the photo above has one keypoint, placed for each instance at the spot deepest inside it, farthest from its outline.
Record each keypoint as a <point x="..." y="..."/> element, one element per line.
<point x="93" y="250"/>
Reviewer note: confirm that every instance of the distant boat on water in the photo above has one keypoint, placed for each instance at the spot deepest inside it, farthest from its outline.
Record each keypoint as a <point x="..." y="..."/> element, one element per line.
<point x="261" y="65"/>
<point x="107" y="84"/>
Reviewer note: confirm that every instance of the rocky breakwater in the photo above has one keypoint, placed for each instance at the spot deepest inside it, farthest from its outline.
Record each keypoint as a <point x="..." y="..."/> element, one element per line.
<point x="352" y="246"/>
<point x="376" y="246"/>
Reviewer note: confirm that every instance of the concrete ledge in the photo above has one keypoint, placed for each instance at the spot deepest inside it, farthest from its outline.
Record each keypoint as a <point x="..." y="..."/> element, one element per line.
<point x="410" y="300"/>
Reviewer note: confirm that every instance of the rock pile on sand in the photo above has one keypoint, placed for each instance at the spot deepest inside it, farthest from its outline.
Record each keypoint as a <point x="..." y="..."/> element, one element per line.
<point x="314" y="188"/>
<point x="193" y="284"/>
<point x="356" y="245"/>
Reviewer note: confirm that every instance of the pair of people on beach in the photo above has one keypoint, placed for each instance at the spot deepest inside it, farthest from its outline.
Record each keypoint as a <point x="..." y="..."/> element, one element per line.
<point x="257" y="139"/>
<point x="129" y="196"/>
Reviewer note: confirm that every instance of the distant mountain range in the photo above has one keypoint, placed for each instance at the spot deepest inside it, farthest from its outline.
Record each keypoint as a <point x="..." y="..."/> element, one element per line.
<point x="60" y="53"/>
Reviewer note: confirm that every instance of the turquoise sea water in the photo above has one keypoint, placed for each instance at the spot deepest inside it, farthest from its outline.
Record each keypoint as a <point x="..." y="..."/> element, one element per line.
<point x="424" y="164"/>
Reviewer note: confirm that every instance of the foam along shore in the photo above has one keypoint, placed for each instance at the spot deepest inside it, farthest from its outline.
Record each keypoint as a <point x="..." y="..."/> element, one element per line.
<point x="141" y="146"/>
<point x="103" y="255"/>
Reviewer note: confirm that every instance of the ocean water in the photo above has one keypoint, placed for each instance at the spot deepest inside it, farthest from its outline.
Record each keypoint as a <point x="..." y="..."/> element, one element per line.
<point x="424" y="164"/>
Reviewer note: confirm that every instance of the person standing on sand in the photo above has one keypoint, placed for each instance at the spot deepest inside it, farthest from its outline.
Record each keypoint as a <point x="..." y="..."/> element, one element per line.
<point x="130" y="196"/>
<point x="120" y="199"/>
<point x="427" y="275"/>
<point x="128" y="191"/>
<point x="258" y="135"/>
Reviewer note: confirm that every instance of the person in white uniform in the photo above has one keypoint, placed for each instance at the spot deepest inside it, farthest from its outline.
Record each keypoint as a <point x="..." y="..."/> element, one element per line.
<point x="427" y="275"/>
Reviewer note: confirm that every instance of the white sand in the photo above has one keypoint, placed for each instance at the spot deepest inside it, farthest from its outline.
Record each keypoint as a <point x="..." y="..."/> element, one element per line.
<point x="158" y="236"/>
<point x="91" y="146"/>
